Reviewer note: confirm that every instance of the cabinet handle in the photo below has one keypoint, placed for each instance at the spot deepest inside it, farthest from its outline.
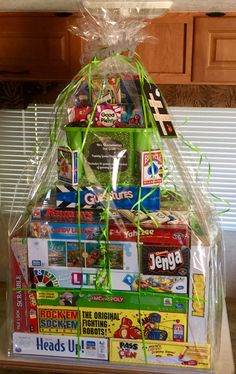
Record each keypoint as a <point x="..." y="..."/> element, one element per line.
<point x="63" y="14"/>
<point x="15" y="72"/>
<point x="215" y="14"/>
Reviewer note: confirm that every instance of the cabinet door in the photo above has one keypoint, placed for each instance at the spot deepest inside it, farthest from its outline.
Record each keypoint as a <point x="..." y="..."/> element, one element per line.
<point x="168" y="60"/>
<point x="214" y="58"/>
<point x="37" y="47"/>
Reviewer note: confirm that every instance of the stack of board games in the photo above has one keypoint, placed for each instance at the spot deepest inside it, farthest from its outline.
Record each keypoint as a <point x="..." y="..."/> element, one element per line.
<point x="103" y="271"/>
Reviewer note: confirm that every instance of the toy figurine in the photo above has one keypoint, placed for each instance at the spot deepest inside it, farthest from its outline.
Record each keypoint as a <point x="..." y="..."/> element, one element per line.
<point x="127" y="331"/>
<point x="152" y="330"/>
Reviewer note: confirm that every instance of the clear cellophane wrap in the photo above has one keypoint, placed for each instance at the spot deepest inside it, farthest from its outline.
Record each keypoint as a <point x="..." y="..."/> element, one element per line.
<point x="117" y="253"/>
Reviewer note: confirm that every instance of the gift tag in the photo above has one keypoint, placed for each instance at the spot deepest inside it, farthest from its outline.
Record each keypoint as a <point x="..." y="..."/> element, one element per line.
<point x="159" y="110"/>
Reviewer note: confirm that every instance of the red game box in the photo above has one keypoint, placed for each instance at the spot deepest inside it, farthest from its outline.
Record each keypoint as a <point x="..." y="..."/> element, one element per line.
<point x="24" y="301"/>
<point x="171" y="236"/>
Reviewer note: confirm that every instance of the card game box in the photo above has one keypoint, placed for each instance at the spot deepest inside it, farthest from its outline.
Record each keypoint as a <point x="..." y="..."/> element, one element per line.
<point x="67" y="163"/>
<point x="151" y="168"/>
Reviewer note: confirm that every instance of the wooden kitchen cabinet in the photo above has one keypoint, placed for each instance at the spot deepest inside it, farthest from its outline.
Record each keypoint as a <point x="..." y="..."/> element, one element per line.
<point x="214" y="54"/>
<point x="37" y="47"/>
<point x="169" y="59"/>
<point x="190" y="48"/>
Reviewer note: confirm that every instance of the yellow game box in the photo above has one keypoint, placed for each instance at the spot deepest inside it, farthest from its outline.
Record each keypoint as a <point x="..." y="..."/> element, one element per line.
<point x="159" y="353"/>
<point x="130" y="324"/>
<point x="58" y="320"/>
